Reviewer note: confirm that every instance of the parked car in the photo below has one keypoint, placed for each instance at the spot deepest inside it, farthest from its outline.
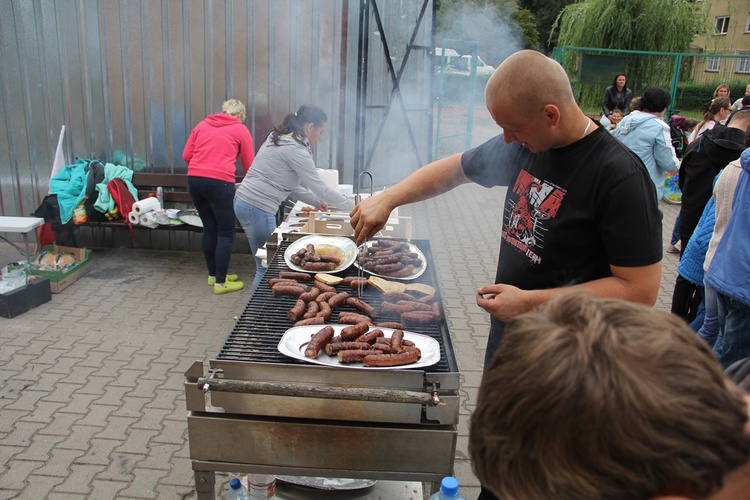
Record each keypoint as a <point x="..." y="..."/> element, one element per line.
<point x="460" y="64"/>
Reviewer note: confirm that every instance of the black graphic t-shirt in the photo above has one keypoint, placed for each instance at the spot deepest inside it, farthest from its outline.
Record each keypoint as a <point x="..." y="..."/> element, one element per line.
<point x="570" y="212"/>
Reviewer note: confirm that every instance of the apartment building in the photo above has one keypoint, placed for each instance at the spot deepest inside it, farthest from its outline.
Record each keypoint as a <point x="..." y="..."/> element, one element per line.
<point x="731" y="37"/>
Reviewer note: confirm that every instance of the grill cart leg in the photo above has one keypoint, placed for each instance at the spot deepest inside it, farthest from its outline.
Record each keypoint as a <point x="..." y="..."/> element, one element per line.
<point x="205" y="482"/>
<point x="429" y="489"/>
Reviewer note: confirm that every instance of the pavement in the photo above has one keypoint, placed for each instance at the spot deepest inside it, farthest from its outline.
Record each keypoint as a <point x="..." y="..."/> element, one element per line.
<point x="92" y="402"/>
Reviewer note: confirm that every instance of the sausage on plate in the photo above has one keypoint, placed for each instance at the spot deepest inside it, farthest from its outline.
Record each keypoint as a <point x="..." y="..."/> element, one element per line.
<point x="400" y="359"/>
<point x="318" y="342"/>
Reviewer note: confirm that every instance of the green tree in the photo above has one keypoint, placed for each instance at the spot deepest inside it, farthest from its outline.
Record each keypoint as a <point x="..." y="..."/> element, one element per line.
<point x="647" y="25"/>
<point x="545" y="12"/>
<point x="527" y="27"/>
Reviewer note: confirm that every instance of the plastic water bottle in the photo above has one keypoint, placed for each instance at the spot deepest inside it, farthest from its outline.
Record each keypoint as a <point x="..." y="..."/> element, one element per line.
<point x="160" y="196"/>
<point x="262" y="486"/>
<point x="448" y="490"/>
<point x="237" y="490"/>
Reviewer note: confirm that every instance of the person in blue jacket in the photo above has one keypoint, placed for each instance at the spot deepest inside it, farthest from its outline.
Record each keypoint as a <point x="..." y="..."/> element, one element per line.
<point x="729" y="273"/>
<point x="646" y="133"/>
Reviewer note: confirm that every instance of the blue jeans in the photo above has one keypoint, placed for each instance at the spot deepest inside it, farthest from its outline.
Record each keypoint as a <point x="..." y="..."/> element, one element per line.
<point x="710" y="329"/>
<point x="734" y="317"/>
<point x="213" y="200"/>
<point x="258" y="226"/>
<point x="675" y="231"/>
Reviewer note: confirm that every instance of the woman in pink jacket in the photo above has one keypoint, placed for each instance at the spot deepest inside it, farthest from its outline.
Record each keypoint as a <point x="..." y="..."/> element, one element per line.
<point x="211" y="154"/>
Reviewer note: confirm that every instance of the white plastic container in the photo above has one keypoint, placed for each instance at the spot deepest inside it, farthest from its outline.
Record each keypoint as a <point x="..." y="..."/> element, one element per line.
<point x="330" y="176"/>
<point x="448" y="490"/>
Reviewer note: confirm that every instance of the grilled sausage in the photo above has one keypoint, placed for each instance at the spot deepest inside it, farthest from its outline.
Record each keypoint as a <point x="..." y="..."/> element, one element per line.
<point x="363" y="306"/>
<point x="354" y="331"/>
<point x="418" y="317"/>
<point x="396" y="296"/>
<point x="348" y="318"/>
<point x="330" y="258"/>
<point x="319" y="266"/>
<point x="317" y="320"/>
<point x="312" y="309"/>
<point x="311" y="295"/>
<point x="390" y="308"/>
<point x="296" y="311"/>
<point x="318" y="342"/>
<point x="325" y="310"/>
<point x="283" y="281"/>
<point x="436" y="310"/>
<point x="354" y="356"/>
<point x="397" y="338"/>
<point x="386" y="268"/>
<point x="281" y="289"/>
<point x="324" y="296"/>
<point x="332" y="349"/>
<point x="338" y="299"/>
<point x="402" y="273"/>
<point x="387" y="341"/>
<point x="356" y="283"/>
<point x="323" y="287"/>
<point x="391" y="324"/>
<point x="427" y="299"/>
<point x="370" y="337"/>
<point x="382" y="348"/>
<point x="414" y="304"/>
<point x="400" y="359"/>
<point x="293" y="275"/>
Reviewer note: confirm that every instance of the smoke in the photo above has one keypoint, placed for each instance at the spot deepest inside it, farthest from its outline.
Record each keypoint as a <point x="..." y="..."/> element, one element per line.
<point x="489" y="25"/>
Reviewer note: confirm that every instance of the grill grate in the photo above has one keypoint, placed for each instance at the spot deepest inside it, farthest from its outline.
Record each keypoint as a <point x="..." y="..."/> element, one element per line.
<point x="261" y="325"/>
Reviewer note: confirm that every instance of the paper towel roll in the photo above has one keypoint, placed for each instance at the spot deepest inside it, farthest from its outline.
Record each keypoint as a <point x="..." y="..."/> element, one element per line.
<point x="134" y="218"/>
<point x="330" y="176"/>
<point x="148" y="219"/>
<point x="146" y="205"/>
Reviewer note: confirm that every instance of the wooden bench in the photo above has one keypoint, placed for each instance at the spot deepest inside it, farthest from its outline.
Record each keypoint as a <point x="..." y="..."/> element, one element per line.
<point x="174" y="188"/>
<point x="175" y="196"/>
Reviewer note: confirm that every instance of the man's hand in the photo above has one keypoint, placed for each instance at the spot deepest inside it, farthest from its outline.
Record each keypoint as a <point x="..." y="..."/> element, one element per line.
<point x="324" y="207"/>
<point x="369" y="216"/>
<point x="504" y="301"/>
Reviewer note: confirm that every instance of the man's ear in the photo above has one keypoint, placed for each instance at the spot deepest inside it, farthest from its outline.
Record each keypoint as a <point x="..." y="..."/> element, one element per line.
<point x="552" y="113"/>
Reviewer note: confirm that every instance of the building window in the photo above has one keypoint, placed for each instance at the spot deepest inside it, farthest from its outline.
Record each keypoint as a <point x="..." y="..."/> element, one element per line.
<point x="721" y="27"/>
<point x="743" y="65"/>
<point x="713" y="63"/>
<point x="747" y="23"/>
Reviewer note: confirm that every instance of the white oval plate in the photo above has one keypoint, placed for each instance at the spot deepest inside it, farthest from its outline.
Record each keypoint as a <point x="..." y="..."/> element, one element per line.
<point x="347" y="247"/>
<point x="295" y="340"/>
<point x="328" y="483"/>
<point x="418" y="271"/>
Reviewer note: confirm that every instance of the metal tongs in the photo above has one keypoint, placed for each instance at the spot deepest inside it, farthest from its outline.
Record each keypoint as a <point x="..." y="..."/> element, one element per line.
<point x="362" y="249"/>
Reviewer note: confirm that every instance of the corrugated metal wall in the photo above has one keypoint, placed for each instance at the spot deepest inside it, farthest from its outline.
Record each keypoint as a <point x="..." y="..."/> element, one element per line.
<point x="129" y="79"/>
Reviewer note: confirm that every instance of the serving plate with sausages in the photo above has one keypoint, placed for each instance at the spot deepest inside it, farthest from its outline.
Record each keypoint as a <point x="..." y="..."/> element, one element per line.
<point x="407" y="263"/>
<point x="295" y="340"/>
<point x="333" y="254"/>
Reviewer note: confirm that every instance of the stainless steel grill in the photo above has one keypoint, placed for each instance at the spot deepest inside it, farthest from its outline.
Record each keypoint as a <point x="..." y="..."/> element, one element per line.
<point x="256" y="410"/>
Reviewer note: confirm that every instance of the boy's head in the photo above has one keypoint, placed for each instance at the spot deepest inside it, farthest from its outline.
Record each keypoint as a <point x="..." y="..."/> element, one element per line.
<point x="616" y="116"/>
<point x="602" y="398"/>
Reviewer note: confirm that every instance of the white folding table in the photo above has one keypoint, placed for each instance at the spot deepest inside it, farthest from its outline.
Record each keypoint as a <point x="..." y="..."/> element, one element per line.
<point x="23" y="225"/>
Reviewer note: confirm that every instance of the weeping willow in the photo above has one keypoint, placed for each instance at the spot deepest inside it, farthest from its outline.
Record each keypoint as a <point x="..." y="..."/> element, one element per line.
<point x="646" y="25"/>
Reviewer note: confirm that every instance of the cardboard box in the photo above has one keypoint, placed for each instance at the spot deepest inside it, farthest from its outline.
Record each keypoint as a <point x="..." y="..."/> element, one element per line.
<point x="62" y="279"/>
<point x="36" y="292"/>
<point x="339" y="224"/>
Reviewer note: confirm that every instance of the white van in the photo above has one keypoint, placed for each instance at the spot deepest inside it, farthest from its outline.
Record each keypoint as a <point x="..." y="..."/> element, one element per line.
<point x="456" y="64"/>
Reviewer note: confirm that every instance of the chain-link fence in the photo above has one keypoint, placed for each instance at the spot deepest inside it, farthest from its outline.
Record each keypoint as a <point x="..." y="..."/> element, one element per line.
<point x="690" y="78"/>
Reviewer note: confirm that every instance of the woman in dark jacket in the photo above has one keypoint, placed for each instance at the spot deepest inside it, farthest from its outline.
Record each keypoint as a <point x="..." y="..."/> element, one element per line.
<point x="618" y="95"/>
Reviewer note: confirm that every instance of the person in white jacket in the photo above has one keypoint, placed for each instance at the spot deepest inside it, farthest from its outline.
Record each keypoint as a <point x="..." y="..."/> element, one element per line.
<point x="646" y="133"/>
